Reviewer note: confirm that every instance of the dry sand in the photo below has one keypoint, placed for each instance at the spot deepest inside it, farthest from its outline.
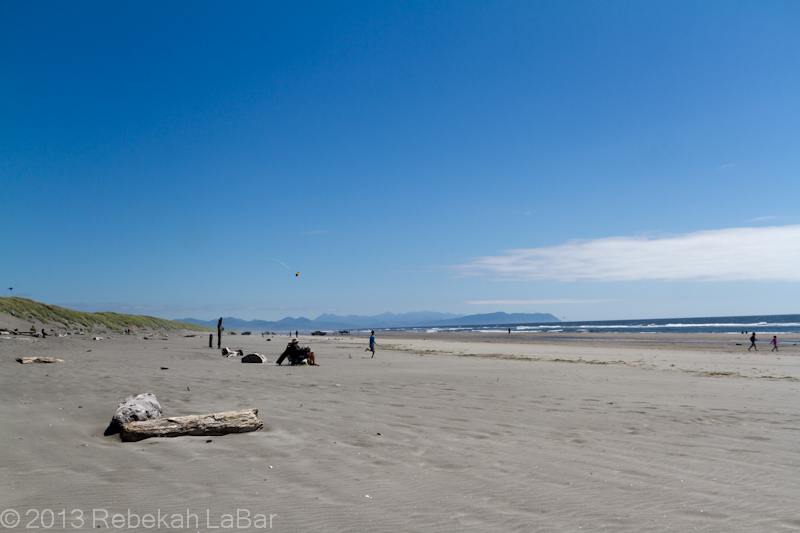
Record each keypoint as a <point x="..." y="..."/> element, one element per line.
<point x="437" y="433"/>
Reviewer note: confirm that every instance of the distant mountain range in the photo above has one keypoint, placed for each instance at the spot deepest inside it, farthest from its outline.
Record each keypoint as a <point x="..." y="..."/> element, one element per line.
<point x="496" y="319"/>
<point x="386" y="320"/>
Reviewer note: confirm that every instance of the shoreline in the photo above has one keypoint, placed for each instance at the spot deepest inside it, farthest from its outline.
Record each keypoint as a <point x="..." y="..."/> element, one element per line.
<point x="544" y="338"/>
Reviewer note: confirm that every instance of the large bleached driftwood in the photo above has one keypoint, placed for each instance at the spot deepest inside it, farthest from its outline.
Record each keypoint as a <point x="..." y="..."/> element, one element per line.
<point x="29" y="360"/>
<point x="197" y="425"/>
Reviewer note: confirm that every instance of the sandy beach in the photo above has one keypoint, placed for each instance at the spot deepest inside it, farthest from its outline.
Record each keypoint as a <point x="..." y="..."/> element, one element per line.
<point x="442" y="432"/>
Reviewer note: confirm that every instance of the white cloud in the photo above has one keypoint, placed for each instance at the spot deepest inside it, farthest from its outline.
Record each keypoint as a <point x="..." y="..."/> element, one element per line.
<point x="734" y="254"/>
<point x="535" y="302"/>
<point x="725" y="167"/>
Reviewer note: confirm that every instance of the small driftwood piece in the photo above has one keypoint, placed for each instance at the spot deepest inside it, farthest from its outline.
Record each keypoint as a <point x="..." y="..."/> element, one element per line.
<point x="196" y="425"/>
<point x="28" y="360"/>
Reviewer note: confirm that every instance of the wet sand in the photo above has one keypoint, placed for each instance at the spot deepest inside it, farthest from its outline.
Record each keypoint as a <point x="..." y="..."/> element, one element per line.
<point x="439" y="432"/>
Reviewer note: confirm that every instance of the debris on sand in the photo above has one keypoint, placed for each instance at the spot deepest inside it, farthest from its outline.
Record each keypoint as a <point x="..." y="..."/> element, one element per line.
<point x="227" y="352"/>
<point x="28" y="360"/>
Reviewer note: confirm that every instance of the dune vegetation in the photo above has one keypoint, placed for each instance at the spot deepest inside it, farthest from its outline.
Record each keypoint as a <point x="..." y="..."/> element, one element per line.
<point x="47" y="314"/>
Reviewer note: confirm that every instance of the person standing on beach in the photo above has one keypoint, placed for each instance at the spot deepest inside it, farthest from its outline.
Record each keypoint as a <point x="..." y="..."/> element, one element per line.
<point x="752" y="341"/>
<point x="774" y="343"/>
<point x="372" y="344"/>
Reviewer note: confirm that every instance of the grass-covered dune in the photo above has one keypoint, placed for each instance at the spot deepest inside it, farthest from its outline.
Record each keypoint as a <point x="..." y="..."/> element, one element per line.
<point x="35" y="311"/>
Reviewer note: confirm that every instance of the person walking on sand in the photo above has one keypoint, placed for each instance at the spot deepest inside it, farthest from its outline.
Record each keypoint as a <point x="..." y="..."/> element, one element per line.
<point x="752" y="341"/>
<point x="372" y="344"/>
<point x="774" y="343"/>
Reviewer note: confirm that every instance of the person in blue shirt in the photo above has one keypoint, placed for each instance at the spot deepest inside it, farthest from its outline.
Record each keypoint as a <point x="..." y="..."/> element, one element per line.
<point x="372" y="344"/>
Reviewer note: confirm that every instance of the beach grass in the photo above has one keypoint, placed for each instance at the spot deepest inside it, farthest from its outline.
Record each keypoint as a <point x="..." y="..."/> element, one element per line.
<point x="36" y="311"/>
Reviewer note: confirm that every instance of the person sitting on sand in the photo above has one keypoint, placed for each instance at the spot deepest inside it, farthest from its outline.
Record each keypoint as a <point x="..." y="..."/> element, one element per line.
<point x="297" y="354"/>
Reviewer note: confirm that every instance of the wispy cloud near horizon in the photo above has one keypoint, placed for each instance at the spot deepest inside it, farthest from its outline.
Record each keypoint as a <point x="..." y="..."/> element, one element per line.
<point x="536" y="302"/>
<point x="734" y="254"/>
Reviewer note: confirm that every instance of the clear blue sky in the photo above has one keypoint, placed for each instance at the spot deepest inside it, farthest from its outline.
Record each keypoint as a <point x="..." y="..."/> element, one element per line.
<point x="595" y="160"/>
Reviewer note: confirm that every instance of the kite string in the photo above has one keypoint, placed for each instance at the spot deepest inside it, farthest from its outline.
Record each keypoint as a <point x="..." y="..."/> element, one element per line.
<point x="281" y="262"/>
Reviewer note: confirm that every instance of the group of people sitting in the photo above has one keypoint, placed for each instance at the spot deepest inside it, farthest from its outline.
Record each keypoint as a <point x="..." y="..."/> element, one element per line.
<point x="297" y="354"/>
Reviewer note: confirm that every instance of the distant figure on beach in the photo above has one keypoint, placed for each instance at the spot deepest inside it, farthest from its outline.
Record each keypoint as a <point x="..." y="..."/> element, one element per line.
<point x="372" y="344"/>
<point x="509" y="331"/>
<point x="297" y="354"/>
<point x="296" y="334"/>
<point x="774" y="343"/>
<point x="311" y="360"/>
<point x="752" y="341"/>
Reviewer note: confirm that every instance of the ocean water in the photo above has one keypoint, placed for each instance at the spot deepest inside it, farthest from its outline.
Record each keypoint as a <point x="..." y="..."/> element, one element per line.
<point x="763" y="324"/>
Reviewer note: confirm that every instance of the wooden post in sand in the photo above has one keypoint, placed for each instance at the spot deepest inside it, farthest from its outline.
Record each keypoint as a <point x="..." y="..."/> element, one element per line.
<point x="219" y="333"/>
<point x="198" y="425"/>
<point x="210" y="340"/>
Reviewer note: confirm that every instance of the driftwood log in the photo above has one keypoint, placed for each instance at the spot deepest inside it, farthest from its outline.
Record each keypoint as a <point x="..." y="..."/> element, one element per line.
<point x="197" y="425"/>
<point x="28" y="360"/>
